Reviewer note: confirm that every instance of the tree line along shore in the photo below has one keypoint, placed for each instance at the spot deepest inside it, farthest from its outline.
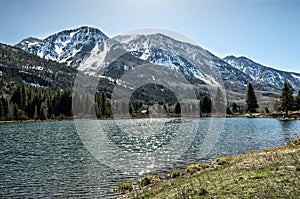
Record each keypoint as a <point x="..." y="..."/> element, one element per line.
<point x="30" y="103"/>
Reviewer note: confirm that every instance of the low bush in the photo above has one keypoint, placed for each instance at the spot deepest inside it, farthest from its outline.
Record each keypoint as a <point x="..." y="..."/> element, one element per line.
<point x="296" y="141"/>
<point x="148" y="179"/>
<point x="224" y="160"/>
<point x="125" y="186"/>
<point x="196" y="167"/>
<point x="176" y="173"/>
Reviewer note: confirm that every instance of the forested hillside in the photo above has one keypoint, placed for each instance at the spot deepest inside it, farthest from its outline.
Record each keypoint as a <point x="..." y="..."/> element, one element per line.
<point x="36" y="88"/>
<point x="33" y="88"/>
<point x="18" y="66"/>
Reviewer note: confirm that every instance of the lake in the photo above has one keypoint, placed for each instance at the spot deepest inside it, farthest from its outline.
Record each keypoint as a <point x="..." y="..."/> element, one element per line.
<point x="90" y="158"/>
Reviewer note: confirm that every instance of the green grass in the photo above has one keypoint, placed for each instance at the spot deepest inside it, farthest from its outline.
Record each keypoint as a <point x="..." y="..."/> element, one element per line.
<point x="273" y="173"/>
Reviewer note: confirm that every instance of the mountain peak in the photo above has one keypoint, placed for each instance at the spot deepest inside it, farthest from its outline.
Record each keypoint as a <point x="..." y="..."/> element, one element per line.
<point x="30" y="40"/>
<point x="82" y="29"/>
<point x="230" y="57"/>
<point x="68" y="46"/>
<point x="83" y="34"/>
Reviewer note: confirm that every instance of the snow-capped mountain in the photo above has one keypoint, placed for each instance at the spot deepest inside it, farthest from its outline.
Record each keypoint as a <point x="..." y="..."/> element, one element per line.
<point x="196" y="64"/>
<point x="69" y="47"/>
<point x="91" y="51"/>
<point x="191" y="61"/>
<point x="262" y="74"/>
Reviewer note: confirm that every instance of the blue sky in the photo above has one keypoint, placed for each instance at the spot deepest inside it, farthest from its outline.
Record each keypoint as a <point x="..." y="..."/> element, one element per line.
<point x="267" y="31"/>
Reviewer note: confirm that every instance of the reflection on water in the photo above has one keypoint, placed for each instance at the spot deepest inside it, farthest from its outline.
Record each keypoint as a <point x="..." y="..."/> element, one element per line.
<point x="144" y="135"/>
<point x="49" y="159"/>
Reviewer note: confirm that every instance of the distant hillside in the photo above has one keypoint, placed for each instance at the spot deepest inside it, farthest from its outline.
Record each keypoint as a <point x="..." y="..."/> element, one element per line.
<point x="108" y="59"/>
<point x="262" y="74"/>
<point x="19" y="66"/>
<point x="93" y="52"/>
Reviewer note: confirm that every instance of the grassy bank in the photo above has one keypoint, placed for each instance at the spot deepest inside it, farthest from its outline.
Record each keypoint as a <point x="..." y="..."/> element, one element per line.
<point x="273" y="173"/>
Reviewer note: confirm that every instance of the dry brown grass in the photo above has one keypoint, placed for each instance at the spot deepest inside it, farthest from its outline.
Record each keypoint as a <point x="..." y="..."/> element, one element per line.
<point x="273" y="173"/>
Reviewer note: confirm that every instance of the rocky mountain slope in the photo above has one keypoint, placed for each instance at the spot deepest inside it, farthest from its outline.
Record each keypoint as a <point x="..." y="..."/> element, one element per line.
<point x="69" y="46"/>
<point x="91" y="51"/>
<point x="18" y="66"/>
<point x="262" y="74"/>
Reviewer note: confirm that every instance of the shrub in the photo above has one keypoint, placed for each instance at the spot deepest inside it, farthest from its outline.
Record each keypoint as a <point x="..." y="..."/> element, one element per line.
<point x="175" y="174"/>
<point x="202" y="192"/>
<point x="148" y="179"/>
<point x="196" y="167"/>
<point x="125" y="186"/>
<point x="296" y="141"/>
<point x="223" y="160"/>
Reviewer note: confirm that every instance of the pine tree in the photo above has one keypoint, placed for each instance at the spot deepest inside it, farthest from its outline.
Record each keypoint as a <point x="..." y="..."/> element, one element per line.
<point x="2" y="109"/>
<point x="29" y="108"/>
<point x="130" y="108"/>
<point x="87" y="104"/>
<point x="286" y="98"/>
<point x="67" y="103"/>
<point x="219" y="101"/>
<point x="277" y="106"/>
<point x="43" y="112"/>
<point x="102" y="105"/>
<point x="177" y="108"/>
<point x="164" y="107"/>
<point x="297" y="100"/>
<point x="78" y="103"/>
<point x="108" y="111"/>
<point x="50" y="113"/>
<point x="251" y="101"/>
<point x="205" y="104"/>
<point x="39" y="100"/>
<point x="56" y="103"/>
<point x="105" y="106"/>
<point x="234" y="107"/>
<point x="17" y="97"/>
<point x="24" y="90"/>
<point x="98" y="105"/>
<point x="15" y="111"/>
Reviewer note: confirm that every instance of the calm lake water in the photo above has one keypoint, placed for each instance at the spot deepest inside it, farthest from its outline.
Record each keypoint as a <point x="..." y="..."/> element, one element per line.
<point x="74" y="159"/>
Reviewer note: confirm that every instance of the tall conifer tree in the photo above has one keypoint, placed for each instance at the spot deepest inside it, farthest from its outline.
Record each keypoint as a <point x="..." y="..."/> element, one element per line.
<point x="251" y="101"/>
<point x="286" y="98"/>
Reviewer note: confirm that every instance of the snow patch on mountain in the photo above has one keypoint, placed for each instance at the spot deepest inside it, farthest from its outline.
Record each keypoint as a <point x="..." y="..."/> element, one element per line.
<point x="296" y="76"/>
<point x="163" y="50"/>
<point x="126" y="39"/>
<point x="263" y="74"/>
<point x="96" y="60"/>
<point x="91" y="51"/>
<point x="69" y="46"/>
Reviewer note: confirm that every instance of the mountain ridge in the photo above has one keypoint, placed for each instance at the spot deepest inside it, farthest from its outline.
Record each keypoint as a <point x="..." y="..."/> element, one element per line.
<point x="259" y="72"/>
<point x="97" y="51"/>
<point x="18" y="66"/>
<point x="67" y="46"/>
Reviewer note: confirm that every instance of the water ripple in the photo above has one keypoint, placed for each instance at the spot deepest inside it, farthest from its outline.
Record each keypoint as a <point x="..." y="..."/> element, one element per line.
<point x="39" y="160"/>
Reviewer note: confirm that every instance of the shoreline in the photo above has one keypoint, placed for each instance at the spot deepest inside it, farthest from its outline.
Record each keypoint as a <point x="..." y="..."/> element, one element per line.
<point x="281" y="117"/>
<point x="271" y="173"/>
